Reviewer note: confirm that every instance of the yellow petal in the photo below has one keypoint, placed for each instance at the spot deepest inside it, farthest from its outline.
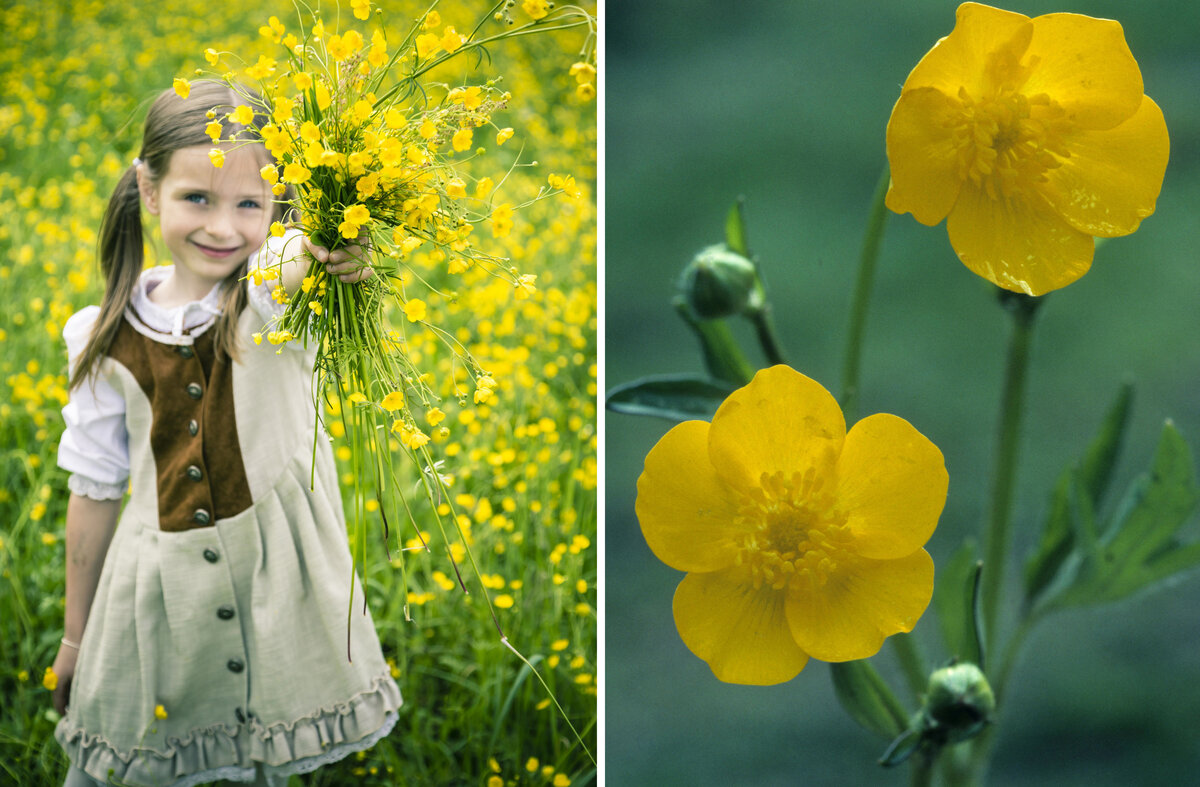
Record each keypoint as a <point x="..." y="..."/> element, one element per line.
<point x="780" y="422"/>
<point x="862" y="603"/>
<point x="686" y="512"/>
<point x="1112" y="179"/>
<point x="741" y="632"/>
<point x="892" y="484"/>
<point x="961" y="59"/>
<point x="1019" y="244"/>
<point x="922" y="152"/>
<point x="1085" y="65"/>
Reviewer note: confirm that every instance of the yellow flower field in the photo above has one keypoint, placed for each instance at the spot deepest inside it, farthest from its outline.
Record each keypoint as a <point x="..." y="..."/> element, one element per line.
<point x="516" y="448"/>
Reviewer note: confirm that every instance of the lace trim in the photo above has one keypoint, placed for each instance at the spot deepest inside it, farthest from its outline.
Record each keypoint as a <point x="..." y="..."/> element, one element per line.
<point x="86" y="487"/>
<point x="365" y="709"/>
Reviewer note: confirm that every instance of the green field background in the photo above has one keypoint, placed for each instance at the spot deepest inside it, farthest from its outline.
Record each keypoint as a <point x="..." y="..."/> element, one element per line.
<point x="75" y="80"/>
<point x="786" y="103"/>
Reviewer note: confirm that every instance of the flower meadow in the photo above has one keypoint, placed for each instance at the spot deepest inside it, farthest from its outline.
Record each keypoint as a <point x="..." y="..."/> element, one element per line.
<point x="510" y="443"/>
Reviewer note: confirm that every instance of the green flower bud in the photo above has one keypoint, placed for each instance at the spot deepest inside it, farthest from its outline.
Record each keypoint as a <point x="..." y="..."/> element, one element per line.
<point x="720" y="283"/>
<point x="959" y="702"/>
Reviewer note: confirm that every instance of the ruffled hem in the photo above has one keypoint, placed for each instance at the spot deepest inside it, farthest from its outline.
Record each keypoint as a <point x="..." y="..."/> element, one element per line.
<point x="86" y="487"/>
<point x="233" y="752"/>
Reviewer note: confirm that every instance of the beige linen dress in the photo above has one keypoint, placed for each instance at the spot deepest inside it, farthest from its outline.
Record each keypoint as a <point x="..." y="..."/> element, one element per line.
<point x="225" y="592"/>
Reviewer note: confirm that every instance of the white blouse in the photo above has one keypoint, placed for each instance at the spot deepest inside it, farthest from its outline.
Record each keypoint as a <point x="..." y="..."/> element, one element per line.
<point x="94" y="447"/>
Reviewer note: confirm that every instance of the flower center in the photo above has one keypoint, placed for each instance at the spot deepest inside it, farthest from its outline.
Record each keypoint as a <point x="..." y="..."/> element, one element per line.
<point x="796" y="532"/>
<point x="1006" y="140"/>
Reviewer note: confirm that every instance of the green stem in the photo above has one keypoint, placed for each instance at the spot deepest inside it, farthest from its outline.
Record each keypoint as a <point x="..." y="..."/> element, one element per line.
<point x="722" y="355"/>
<point x="872" y="240"/>
<point x="921" y="774"/>
<point x="764" y="327"/>
<point x="912" y="664"/>
<point x="1023" y="308"/>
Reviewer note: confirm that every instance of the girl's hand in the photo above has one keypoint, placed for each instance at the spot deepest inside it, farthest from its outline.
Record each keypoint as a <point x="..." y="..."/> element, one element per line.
<point x="64" y="668"/>
<point x="349" y="263"/>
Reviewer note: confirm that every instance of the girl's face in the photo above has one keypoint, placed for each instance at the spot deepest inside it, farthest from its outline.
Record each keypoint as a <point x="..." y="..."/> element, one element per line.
<point x="211" y="219"/>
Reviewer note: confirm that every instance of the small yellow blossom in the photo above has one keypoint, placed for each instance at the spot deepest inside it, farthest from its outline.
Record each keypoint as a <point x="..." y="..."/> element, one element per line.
<point x="213" y="130"/>
<point x="160" y="712"/>
<point x="462" y="139"/>
<point x="503" y="135"/>
<point x="212" y="56"/>
<point x="434" y="416"/>
<point x="361" y="8"/>
<point x="583" y="72"/>
<point x="393" y="401"/>
<point x="415" y="309"/>
<point x="303" y="80"/>
<point x="182" y="87"/>
<point x="585" y="91"/>
<point x="561" y="780"/>
<point x="50" y="679"/>
<point x="451" y="39"/>
<point x="427" y="45"/>
<point x="277" y="229"/>
<point x="536" y="9"/>
<point x="217" y="156"/>
<point x="242" y="114"/>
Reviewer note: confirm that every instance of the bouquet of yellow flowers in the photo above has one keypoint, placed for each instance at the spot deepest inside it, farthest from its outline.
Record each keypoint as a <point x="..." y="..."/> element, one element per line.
<point x="369" y="157"/>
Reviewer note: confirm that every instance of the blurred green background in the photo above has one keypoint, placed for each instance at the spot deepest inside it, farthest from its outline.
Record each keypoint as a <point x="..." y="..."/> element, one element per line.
<point x="786" y="103"/>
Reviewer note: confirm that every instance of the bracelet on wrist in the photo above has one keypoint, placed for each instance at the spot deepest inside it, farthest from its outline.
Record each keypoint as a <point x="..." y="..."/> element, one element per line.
<point x="70" y="644"/>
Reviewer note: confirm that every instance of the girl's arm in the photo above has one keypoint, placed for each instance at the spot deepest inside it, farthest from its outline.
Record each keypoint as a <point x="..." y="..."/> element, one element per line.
<point x="90" y="526"/>
<point x="348" y="263"/>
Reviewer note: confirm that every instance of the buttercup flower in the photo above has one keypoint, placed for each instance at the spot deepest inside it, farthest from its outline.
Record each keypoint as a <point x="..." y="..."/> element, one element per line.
<point x="1031" y="136"/>
<point x="799" y="540"/>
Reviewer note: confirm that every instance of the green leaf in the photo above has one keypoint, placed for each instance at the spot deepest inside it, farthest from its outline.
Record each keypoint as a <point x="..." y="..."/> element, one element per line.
<point x="867" y="699"/>
<point x="954" y="597"/>
<point x="1140" y="548"/>
<point x="1093" y="476"/>
<point x="1096" y="469"/>
<point x="681" y="397"/>
<point x="735" y="228"/>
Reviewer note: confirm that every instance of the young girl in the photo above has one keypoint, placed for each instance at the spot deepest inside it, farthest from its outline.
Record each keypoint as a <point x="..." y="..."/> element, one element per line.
<point x="206" y="636"/>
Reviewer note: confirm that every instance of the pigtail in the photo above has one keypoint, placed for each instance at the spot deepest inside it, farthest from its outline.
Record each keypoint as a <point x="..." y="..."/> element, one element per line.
<point x="121" y="258"/>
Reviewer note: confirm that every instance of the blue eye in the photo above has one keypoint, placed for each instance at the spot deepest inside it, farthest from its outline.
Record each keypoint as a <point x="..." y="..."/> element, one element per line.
<point x="249" y="203"/>
<point x="197" y="199"/>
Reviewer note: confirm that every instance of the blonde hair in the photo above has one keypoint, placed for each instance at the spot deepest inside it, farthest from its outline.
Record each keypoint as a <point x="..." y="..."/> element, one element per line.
<point x="173" y="123"/>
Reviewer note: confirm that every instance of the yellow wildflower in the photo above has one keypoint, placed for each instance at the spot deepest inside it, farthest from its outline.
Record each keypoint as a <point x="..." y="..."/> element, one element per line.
<point x="451" y="39"/>
<point x="302" y="80"/>
<point x="296" y="173"/>
<point x="535" y="8"/>
<point x="456" y="188"/>
<point x="361" y="8"/>
<point x="242" y="114"/>
<point x="427" y="44"/>
<point x="561" y="779"/>
<point x="182" y="87"/>
<point x="800" y="539"/>
<point x="217" y="157"/>
<point x="503" y="601"/>
<point x="50" y="679"/>
<point x="212" y="56"/>
<point x="462" y="139"/>
<point x="213" y="130"/>
<point x="1030" y="137"/>
<point x="415" y="309"/>
<point x="277" y="230"/>
<point x="585" y="91"/>
<point x="393" y="401"/>
<point x="503" y="135"/>
<point x="160" y="712"/>
<point x="583" y="72"/>
<point x="434" y="416"/>
<point x="432" y="19"/>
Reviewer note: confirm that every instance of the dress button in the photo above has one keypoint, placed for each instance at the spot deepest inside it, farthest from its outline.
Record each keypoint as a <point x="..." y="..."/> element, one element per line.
<point x="194" y="473"/>
<point x="194" y="390"/>
<point x="193" y="427"/>
<point x="185" y="351"/>
<point x="201" y="516"/>
<point x="235" y="665"/>
<point x="211" y="555"/>
<point x="225" y="612"/>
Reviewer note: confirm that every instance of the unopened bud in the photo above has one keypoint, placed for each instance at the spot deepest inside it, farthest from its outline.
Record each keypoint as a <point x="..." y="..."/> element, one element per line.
<point x="719" y="283"/>
<point x="959" y="702"/>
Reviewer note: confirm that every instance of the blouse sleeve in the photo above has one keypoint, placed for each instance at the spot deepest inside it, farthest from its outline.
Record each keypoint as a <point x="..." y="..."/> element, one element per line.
<point x="260" y="290"/>
<point x="95" y="445"/>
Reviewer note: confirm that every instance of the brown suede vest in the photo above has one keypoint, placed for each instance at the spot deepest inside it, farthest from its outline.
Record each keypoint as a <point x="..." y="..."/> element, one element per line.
<point x="193" y="434"/>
